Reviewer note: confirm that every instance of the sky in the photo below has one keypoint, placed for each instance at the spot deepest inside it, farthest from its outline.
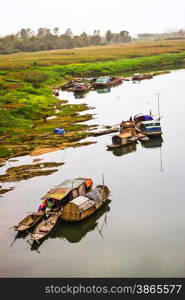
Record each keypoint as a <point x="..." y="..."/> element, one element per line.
<point x="135" y="16"/>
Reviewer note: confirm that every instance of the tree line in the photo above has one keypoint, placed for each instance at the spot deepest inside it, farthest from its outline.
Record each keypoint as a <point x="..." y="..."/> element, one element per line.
<point x="26" y="40"/>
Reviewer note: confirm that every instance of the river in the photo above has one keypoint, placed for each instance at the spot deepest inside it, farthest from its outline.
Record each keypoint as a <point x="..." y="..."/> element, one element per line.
<point x="140" y="232"/>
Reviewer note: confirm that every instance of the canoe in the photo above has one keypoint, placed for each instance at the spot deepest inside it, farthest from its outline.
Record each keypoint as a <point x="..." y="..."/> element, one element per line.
<point x="44" y="228"/>
<point x="29" y="221"/>
<point x="85" y="205"/>
<point x="107" y="131"/>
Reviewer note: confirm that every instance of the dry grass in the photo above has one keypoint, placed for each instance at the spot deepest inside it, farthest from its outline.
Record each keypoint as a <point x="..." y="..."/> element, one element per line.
<point x="89" y="54"/>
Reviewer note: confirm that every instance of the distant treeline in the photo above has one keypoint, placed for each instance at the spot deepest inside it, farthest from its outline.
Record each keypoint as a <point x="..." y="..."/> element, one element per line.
<point x="169" y="35"/>
<point x="26" y="40"/>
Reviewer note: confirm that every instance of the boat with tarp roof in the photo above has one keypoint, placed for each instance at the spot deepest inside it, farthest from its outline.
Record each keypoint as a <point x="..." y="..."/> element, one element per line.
<point x="146" y="125"/>
<point x="54" y="200"/>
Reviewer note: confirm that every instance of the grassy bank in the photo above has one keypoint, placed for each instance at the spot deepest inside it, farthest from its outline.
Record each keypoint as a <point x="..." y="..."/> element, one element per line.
<point x="27" y="81"/>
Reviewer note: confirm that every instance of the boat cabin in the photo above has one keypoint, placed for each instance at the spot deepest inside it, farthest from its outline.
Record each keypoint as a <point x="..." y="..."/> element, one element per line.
<point x="56" y="198"/>
<point x="103" y="80"/>
<point x="150" y="126"/>
<point x="86" y="204"/>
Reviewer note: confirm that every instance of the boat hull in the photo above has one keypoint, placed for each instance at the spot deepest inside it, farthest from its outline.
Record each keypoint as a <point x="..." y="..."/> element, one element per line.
<point x="44" y="228"/>
<point x="114" y="146"/>
<point x="29" y="222"/>
<point x="71" y="213"/>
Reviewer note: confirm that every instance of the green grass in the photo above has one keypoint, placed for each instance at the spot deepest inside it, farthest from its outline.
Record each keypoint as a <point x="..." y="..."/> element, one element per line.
<point x="26" y="94"/>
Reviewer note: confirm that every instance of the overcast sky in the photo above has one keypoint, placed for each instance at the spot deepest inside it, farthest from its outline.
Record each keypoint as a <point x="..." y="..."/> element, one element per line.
<point x="136" y="16"/>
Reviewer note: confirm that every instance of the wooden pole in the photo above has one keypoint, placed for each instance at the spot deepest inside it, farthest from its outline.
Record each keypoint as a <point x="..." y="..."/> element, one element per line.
<point x="158" y="106"/>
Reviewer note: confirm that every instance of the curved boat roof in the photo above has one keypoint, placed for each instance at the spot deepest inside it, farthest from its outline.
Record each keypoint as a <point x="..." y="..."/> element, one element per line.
<point x="63" y="189"/>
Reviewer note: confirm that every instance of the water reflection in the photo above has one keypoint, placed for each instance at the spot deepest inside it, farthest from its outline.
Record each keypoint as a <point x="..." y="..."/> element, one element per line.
<point x="104" y="90"/>
<point x="152" y="143"/>
<point x="124" y="150"/>
<point x="80" y="95"/>
<point x="75" y="232"/>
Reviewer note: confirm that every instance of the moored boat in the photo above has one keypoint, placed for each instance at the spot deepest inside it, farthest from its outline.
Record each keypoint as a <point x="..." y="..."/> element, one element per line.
<point x="81" y="87"/>
<point x="55" y="200"/>
<point x="86" y="204"/>
<point x="29" y="221"/>
<point x="44" y="228"/>
<point x="126" y="136"/>
<point x="149" y="128"/>
<point x="139" y="76"/>
<point x="107" y="81"/>
<point x="146" y="125"/>
<point x="59" y="196"/>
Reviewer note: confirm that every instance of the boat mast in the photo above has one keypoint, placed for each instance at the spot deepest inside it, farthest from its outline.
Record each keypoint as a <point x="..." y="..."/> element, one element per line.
<point x="158" y="106"/>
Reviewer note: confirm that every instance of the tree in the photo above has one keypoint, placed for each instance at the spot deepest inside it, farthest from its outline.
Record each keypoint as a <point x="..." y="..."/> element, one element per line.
<point x="69" y="33"/>
<point x="124" y="36"/>
<point x="56" y="31"/>
<point x="108" y="36"/>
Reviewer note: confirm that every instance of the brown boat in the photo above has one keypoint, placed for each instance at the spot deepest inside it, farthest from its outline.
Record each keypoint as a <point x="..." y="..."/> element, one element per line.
<point x="126" y="136"/>
<point x="44" y="228"/>
<point x="29" y="221"/>
<point x="85" y="205"/>
<point x="55" y="199"/>
<point x="142" y="76"/>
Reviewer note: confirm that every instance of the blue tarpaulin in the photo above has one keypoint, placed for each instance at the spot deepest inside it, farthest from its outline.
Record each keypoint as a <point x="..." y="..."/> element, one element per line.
<point x="59" y="131"/>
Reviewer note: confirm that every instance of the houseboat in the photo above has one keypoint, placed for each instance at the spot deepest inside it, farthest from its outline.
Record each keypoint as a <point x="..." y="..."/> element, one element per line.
<point x="150" y="128"/>
<point x="55" y="200"/>
<point x="127" y="135"/>
<point x="85" y="205"/>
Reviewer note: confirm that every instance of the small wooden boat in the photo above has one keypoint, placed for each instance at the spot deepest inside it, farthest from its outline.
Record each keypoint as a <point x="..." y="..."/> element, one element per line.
<point x="102" y="132"/>
<point x="85" y="205"/>
<point x="29" y="221"/>
<point x="139" y="76"/>
<point x="127" y="136"/>
<point x="81" y="87"/>
<point x="107" y="81"/>
<point x="44" y="228"/>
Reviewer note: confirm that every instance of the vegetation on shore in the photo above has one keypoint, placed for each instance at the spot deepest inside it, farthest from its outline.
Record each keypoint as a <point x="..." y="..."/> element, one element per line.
<point x="27" y="81"/>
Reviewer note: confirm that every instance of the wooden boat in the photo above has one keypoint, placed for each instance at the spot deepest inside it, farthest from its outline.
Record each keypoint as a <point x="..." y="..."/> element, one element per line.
<point x="149" y="128"/>
<point x="107" y="81"/>
<point x="85" y="205"/>
<point x="64" y="192"/>
<point x="58" y="197"/>
<point x="127" y="136"/>
<point x="102" y="132"/>
<point x="139" y="76"/>
<point x="44" y="228"/>
<point x="29" y="221"/>
<point x="81" y="87"/>
<point x="123" y="142"/>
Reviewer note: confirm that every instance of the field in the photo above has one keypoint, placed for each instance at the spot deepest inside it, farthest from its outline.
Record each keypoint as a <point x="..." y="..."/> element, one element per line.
<point x="27" y="81"/>
<point x="89" y="54"/>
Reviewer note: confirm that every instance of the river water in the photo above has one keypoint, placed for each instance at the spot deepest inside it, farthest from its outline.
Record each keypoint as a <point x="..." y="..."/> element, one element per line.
<point x="140" y="232"/>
